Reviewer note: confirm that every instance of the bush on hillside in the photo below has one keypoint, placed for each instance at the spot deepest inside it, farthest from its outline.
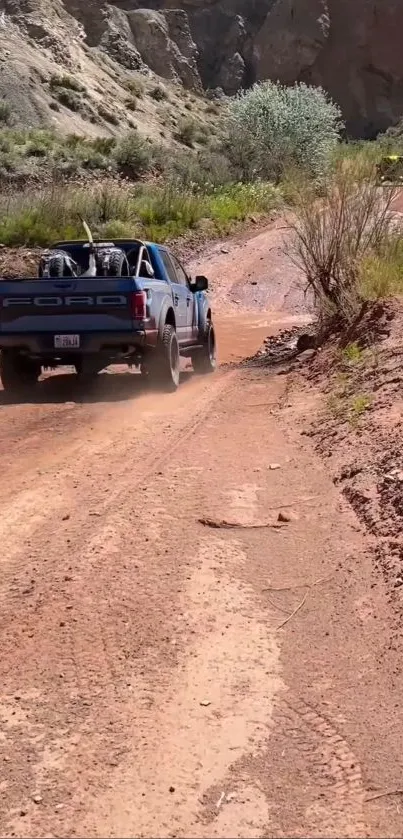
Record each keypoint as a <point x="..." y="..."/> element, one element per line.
<point x="5" y="112"/>
<point x="350" y="228"/>
<point x="187" y="132"/>
<point x="66" y="82"/>
<point x="271" y="127"/>
<point x="201" y="172"/>
<point x="133" y="156"/>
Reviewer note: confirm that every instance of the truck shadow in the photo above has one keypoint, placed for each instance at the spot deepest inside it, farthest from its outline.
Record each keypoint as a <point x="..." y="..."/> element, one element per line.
<point x="106" y="387"/>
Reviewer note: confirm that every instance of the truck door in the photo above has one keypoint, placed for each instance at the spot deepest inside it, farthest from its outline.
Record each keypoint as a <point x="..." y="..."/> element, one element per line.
<point x="179" y="293"/>
<point x="190" y="299"/>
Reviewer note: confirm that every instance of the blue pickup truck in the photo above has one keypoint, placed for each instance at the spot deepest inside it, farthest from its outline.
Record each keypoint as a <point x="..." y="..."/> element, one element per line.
<point x="142" y="308"/>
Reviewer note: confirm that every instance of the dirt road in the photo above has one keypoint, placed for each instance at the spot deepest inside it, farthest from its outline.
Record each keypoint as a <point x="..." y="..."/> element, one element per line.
<point x="163" y="677"/>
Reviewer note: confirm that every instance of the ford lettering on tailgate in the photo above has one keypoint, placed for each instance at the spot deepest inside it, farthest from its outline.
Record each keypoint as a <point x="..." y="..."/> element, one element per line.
<point x="73" y="300"/>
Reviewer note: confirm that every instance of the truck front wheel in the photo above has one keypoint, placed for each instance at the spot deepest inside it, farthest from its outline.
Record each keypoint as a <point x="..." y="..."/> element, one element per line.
<point x="163" y="366"/>
<point x="204" y="359"/>
<point x="18" y="373"/>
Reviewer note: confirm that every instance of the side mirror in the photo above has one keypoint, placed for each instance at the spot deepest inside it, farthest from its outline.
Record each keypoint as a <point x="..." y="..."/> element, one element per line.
<point x="200" y="283"/>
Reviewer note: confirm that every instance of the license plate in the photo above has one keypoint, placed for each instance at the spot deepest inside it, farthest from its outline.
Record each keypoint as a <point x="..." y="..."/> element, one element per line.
<point x="66" y="342"/>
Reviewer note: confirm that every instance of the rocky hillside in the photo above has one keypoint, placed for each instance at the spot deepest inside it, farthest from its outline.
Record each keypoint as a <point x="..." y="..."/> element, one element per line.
<point x="80" y="66"/>
<point x="351" y="48"/>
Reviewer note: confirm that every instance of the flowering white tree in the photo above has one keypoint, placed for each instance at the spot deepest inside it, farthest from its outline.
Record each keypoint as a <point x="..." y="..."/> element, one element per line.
<point x="271" y="127"/>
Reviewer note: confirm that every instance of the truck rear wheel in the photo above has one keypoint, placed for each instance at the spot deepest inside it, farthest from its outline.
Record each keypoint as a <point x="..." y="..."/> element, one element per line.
<point x="204" y="359"/>
<point x="18" y="373"/>
<point x="164" y="365"/>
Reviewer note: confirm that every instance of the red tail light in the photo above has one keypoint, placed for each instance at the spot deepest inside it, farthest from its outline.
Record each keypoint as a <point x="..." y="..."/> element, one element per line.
<point x="139" y="305"/>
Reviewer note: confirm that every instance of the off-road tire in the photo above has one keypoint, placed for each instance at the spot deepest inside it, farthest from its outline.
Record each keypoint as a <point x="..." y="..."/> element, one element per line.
<point x="118" y="265"/>
<point x="164" y="364"/>
<point x="204" y="359"/>
<point x="18" y="374"/>
<point x="57" y="266"/>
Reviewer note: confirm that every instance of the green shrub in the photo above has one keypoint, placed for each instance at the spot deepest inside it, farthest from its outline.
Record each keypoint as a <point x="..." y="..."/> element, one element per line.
<point x="239" y="201"/>
<point x="159" y="93"/>
<point x="66" y="82"/>
<point x="198" y="173"/>
<point x="165" y="204"/>
<point x="131" y="103"/>
<point x="37" y="151"/>
<point x="340" y="241"/>
<point x="133" y="156"/>
<point x="8" y="162"/>
<point x="202" y="138"/>
<point x="117" y="229"/>
<point x="352" y="354"/>
<point x="5" y="112"/>
<point x="108" y="115"/>
<point x="135" y="87"/>
<point x="39" y="144"/>
<point x="187" y="132"/>
<point x="104" y="145"/>
<point x="381" y="271"/>
<point x="95" y="161"/>
<point x="69" y="98"/>
<point x="270" y="126"/>
<point x="6" y="143"/>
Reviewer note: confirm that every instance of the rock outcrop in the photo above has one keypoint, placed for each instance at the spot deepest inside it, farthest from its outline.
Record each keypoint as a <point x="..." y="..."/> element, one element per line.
<point x="165" y="44"/>
<point x="350" y="47"/>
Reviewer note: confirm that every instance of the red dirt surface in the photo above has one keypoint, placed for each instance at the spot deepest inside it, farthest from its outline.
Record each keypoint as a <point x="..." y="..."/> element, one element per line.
<point x="160" y="677"/>
<point x="360" y="432"/>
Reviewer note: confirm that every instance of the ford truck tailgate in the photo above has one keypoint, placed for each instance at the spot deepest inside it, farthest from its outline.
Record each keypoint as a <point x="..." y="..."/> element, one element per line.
<point x="64" y="314"/>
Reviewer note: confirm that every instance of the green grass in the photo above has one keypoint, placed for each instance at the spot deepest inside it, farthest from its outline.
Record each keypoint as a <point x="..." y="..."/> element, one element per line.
<point x="352" y="354"/>
<point x="362" y="156"/>
<point x="345" y="405"/>
<point x="358" y="407"/>
<point x="156" y="212"/>
<point x="36" y="152"/>
<point x="381" y="274"/>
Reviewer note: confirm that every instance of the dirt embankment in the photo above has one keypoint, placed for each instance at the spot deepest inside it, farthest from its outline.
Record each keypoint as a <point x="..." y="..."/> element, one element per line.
<point x="354" y="397"/>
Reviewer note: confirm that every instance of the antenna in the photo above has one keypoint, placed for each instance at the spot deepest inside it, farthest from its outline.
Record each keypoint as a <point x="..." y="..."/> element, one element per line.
<point x="87" y="230"/>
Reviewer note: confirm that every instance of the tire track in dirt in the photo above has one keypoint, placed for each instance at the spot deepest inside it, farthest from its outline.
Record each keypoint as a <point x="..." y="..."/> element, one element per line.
<point x="339" y="811"/>
<point x="339" y="808"/>
<point x="32" y="511"/>
<point x="215" y="694"/>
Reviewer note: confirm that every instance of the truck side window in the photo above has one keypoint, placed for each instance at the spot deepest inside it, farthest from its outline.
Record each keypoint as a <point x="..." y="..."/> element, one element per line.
<point x="168" y="266"/>
<point x="180" y="272"/>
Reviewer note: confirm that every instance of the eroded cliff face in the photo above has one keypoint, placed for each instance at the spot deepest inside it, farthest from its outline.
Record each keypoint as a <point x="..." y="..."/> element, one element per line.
<point x="350" y="47"/>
